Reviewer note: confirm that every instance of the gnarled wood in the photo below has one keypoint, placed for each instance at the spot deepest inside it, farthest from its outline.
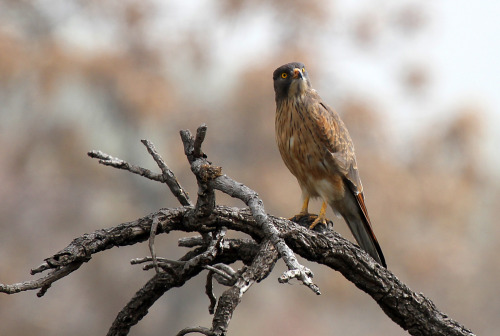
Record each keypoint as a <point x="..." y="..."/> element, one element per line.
<point x="270" y="237"/>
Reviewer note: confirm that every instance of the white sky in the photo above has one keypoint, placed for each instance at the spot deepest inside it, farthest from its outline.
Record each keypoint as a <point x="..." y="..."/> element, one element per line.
<point x="460" y="42"/>
<point x="468" y="58"/>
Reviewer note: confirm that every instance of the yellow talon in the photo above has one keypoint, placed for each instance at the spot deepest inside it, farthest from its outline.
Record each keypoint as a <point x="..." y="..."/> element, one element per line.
<point x="321" y="217"/>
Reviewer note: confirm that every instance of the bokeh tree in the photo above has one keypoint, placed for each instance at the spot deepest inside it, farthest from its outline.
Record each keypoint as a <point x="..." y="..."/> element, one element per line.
<point x="103" y="74"/>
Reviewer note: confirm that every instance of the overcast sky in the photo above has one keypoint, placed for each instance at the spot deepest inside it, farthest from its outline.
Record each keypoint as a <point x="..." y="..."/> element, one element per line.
<point x="459" y="44"/>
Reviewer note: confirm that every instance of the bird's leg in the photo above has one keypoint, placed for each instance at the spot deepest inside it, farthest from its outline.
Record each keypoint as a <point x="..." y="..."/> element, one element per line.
<point x="305" y="207"/>
<point x="321" y="217"/>
<point x="304" y="212"/>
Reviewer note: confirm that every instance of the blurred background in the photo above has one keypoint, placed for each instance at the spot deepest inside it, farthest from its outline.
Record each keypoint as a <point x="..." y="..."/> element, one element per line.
<point x="416" y="82"/>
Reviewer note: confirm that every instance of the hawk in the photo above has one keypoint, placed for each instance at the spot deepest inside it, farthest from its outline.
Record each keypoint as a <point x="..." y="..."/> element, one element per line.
<point x="317" y="149"/>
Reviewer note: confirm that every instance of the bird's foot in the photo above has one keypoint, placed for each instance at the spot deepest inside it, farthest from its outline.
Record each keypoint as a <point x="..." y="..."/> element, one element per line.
<point x="308" y="220"/>
<point x="299" y="216"/>
<point x="319" y="220"/>
<point x="321" y="217"/>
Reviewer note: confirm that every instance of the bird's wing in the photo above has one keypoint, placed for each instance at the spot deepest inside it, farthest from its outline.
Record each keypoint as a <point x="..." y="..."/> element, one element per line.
<point x="339" y="149"/>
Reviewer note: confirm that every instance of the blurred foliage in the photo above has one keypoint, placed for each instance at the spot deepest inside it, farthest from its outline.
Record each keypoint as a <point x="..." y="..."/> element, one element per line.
<point x="84" y="75"/>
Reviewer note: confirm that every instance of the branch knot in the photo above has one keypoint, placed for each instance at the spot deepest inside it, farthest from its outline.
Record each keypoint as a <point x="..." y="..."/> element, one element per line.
<point x="208" y="172"/>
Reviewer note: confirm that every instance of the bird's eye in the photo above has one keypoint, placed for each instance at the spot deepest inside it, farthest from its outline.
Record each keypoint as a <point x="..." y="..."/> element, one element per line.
<point x="284" y="75"/>
<point x="303" y="69"/>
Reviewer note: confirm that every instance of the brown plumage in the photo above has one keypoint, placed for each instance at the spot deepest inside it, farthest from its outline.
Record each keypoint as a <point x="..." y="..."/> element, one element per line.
<point x="317" y="149"/>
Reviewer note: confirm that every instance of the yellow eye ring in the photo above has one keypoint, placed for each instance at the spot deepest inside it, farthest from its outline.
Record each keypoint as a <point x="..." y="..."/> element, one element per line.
<point x="303" y="69"/>
<point x="284" y="75"/>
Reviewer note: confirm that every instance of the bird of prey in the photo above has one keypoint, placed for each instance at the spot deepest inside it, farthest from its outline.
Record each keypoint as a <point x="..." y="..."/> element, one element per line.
<point x="317" y="149"/>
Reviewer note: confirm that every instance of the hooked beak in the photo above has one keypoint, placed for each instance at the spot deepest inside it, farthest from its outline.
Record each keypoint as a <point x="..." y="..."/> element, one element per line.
<point x="297" y="74"/>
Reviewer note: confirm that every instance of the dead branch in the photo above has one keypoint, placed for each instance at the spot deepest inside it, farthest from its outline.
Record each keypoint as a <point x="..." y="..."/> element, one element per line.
<point x="270" y="238"/>
<point x="205" y="172"/>
<point x="168" y="176"/>
<point x="43" y="283"/>
<point x="260" y="268"/>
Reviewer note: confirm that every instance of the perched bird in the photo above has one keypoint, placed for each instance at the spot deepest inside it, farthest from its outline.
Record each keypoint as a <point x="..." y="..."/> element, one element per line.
<point x="317" y="149"/>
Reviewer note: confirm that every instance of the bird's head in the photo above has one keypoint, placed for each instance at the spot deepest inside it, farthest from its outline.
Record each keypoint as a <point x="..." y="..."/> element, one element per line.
<point x="290" y="81"/>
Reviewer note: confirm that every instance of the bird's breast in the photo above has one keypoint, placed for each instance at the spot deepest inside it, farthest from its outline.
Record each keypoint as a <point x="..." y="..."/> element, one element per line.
<point x="302" y="148"/>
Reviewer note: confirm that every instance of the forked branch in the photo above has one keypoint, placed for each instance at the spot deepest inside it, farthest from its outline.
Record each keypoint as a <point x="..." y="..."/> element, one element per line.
<point x="270" y="238"/>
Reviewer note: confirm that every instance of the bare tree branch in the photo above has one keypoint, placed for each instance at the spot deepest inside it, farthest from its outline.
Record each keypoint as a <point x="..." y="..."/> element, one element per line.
<point x="168" y="175"/>
<point x="151" y="244"/>
<point x="190" y="265"/>
<point x="110" y="161"/>
<point x="200" y="137"/>
<point x="204" y="171"/>
<point x="43" y="283"/>
<point x="187" y="267"/>
<point x="260" y="268"/>
<point x="269" y="237"/>
<point x="200" y="330"/>
<point x="251" y="198"/>
<point x="80" y="250"/>
<point x="192" y="149"/>
<point x="210" y="293"/>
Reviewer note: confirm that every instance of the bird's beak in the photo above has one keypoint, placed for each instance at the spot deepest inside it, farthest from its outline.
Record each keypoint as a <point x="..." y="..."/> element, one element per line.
<point x="297" y="73"/>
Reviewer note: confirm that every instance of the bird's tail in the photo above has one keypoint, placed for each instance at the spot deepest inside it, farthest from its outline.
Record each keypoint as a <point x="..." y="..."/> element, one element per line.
<point x="361" y="228"/>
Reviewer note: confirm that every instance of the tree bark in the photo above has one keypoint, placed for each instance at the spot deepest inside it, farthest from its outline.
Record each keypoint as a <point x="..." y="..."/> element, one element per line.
<point x="271" y="238"/>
